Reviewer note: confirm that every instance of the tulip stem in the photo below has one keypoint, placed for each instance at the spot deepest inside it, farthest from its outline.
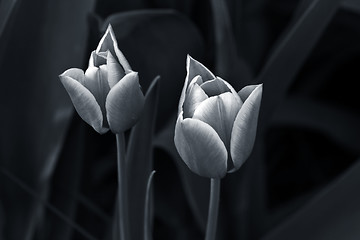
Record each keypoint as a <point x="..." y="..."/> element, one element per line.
<point x="123" y="209"/>
<point x="213" y="209"/>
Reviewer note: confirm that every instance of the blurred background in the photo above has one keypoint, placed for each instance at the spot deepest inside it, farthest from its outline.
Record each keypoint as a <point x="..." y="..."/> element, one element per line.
<point x="302" y="180"/>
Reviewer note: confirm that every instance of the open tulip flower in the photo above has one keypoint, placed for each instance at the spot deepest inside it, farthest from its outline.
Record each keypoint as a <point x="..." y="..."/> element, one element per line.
<point x="216" y="126"/>
<point x="108" y="94"/>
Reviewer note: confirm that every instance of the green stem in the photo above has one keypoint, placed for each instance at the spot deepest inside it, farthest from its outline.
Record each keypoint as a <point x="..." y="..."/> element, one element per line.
<point x="213" y="209"/>
<point x="123" y="205"/>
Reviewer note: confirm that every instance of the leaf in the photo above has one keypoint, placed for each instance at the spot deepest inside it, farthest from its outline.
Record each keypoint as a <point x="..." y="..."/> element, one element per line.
<point x="340" y="125"/>
<point x="67" y="174"/>
<point x="228" y="64"/>
<point x="334" y="213"/>
<point x="292" y="50"/>
<point x="7" y="8"/>
<point x="140" y="161"/>
<point x="147" y="215"/>
<point x="27" y="189"/>
<point x="39" y="113"/>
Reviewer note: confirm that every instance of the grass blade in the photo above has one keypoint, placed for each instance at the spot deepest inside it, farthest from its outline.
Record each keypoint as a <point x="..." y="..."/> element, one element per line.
<point x="228" y="64"/>
<point x="140" y="160"/>
<point x="292" y="50"/>
<point x="147" y="215"/>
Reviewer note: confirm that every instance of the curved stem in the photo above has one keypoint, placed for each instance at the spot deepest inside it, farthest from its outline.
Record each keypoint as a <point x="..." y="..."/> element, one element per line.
<point x="213" y="209"/>
<point x="123" y="208"/>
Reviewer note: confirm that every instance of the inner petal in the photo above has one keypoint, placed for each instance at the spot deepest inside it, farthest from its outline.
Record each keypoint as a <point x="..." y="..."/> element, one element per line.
<point x="195" y="68"/>
<point x="107" y="44"/>
<point x="214" y="87"/>
<point x="115" y="70"/>
<point x="194" y="96"/>
<point x="219" y="112"/>
<point x="96" y="81"/>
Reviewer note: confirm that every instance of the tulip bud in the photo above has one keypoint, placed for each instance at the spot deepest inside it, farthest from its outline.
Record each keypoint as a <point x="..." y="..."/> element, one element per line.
<point x="216" y="126"/>
<point x="108" y="94"/>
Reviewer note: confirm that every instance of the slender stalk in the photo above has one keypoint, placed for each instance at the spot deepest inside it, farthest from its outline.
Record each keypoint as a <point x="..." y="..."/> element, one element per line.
<point x="123" y="205"/>
<point x="213" y="209"/>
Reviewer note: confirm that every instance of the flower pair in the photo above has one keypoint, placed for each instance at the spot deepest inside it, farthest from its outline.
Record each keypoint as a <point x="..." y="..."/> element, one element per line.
<point x="216" y="126"/>
<point x="108" y="95"/>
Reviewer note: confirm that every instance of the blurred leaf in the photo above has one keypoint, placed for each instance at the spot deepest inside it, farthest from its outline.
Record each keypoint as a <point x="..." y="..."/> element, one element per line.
<point x="292" y="50"/>
<point x="196" y="187"/>
<point x="67" y="174"/>
<point x="28" y="190"/>
<point x="228" y="64"/>
<point x="147" y="216"/>
<point x="340" y="125"/>
<point x="156" y="42"/>
<point x="334" y="213"/>
<point x="38" y="114"/>
<point x="353" y="5"/>
<point x="284" y="62"/>
<point x="6" y="9"/>
<point x="139" y="160"/>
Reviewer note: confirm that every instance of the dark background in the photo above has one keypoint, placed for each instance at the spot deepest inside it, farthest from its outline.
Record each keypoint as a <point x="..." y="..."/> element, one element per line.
<point x="302" y="180"/>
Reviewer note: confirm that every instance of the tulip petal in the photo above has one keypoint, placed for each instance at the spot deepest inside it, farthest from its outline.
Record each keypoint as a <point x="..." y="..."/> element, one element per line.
<point x="232" y="90"/>
<point x="244" y="129"/>
<point x="200" y="147"/>
<point x="194" y="96"/>
<point x="214" y="87"/>
<point x="219" y="112"/>
<point x="84" y="103"/>
<point x="115" y="71"/>
<point x="124" y="103"/>
<point x="246" y="91"/>
<point x="96" y="82"/>
<point x="109" y="42"/>
<point x="75" y="73"/>
<point x="193" y="69"/>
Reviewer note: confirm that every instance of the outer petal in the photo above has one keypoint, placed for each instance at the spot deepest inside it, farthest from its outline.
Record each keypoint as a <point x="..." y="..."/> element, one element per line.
<point x="194" y="96"/>
<point x="115" y="71"/>
<point x="244" y="129"/>
<point x="108" y="42"/>
<point x="124" y="103"/>
<point x="75" y="73"/>
<point x="193" y="69"/>
<point x="219" y="112"/>
<point x="246" y="91"/>
<point x="200" y="147"/>
<point x="84" y="103"/>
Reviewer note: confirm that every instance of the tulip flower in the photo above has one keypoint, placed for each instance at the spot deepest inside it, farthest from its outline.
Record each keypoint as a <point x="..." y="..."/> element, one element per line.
<point x="216" y="126"/>
<point x="108" y="95"/>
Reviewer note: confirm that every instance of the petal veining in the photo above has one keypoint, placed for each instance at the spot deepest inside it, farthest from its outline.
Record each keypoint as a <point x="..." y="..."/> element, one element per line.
<point x="84" y="103"/>
<point x="219" y="112"/>
<point x="244" y="129"/>
<point x="124" y="103"/>
<point x="96" y="82"/>
<point x="115" y="71"/>
<point x="200" y="147"/>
